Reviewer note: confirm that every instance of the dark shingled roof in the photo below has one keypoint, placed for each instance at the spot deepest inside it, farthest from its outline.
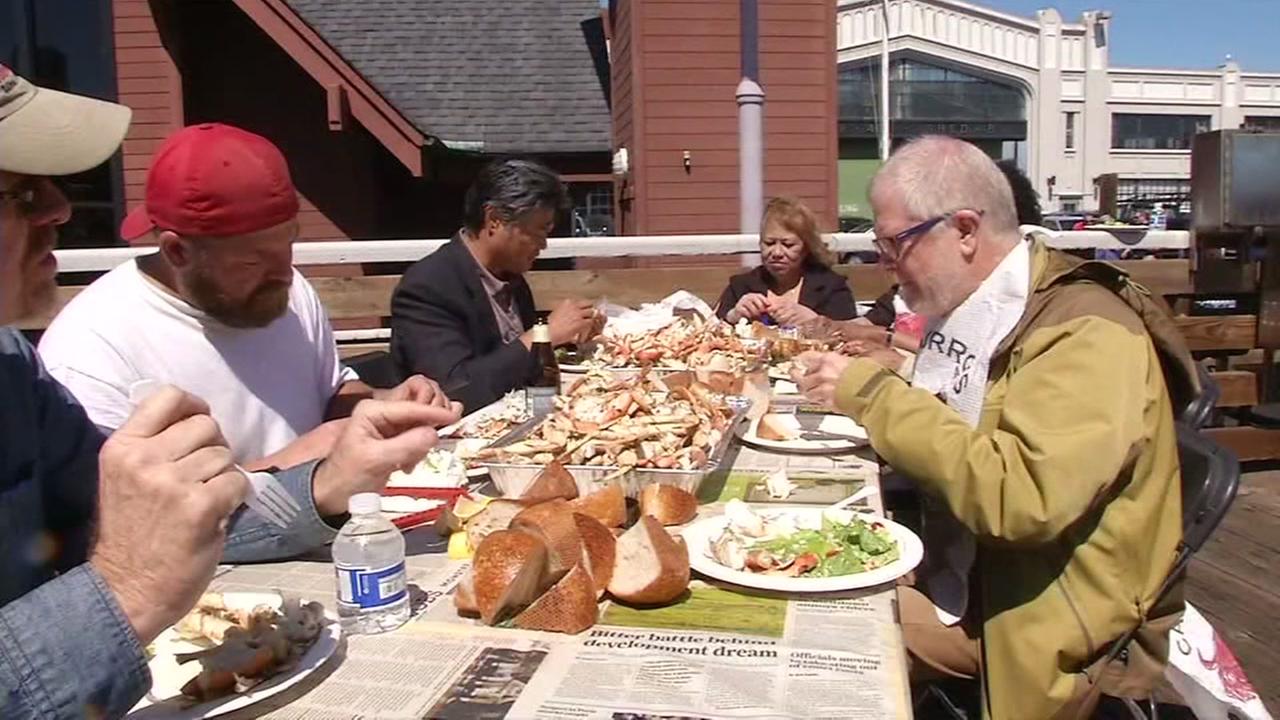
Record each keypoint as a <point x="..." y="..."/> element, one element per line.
<point x="497" y="76"/>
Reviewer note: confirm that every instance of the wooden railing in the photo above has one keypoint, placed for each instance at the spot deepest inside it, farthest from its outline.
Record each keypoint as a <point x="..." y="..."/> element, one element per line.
<point x="364" y="300"/>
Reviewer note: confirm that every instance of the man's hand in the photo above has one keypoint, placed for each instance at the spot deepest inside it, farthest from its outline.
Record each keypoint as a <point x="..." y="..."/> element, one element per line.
<point x="817" y="375"/>
<point x="380" y="437"/>
<point x="867" y="335"/>
<point x="572" y="321"/>
<point x="167" y="486"/>
<point x="418" y="389"/>
<point x="787" y="312"/>
<point x="750" y="306"/>
<point x="887" y="357"/>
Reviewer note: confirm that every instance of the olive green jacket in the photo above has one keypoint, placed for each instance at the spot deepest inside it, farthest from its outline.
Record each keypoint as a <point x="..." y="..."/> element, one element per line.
<point x="1070" y="482"/>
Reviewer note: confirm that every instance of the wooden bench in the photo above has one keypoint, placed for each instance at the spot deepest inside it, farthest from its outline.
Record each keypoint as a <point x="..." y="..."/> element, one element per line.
<point x="364" y="302"/>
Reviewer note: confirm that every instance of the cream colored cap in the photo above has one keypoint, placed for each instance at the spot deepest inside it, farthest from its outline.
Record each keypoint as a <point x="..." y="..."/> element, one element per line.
<point x="46" y="132"/>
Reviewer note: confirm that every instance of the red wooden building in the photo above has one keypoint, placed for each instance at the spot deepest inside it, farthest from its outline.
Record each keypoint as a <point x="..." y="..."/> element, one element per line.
<point x="675" y="68"/>
<point x="385" y="108"/>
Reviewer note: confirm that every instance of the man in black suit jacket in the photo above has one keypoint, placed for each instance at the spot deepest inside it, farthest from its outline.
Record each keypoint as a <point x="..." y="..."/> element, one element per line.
<point x="462" y="315"/>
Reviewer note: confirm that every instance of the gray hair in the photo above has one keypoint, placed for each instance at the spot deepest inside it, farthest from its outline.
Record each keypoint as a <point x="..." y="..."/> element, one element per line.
<point x="936" y="174"/>
<point x="512" y="188"/>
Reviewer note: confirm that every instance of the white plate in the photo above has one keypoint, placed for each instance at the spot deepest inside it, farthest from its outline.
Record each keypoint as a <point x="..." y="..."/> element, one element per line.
<point x="838" y="424"/>
<point x="164" y="700"/>
<point x="698" y="538"/>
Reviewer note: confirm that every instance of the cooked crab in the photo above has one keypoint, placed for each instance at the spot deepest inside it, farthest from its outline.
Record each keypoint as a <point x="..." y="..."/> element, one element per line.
<point x="633" y="422"/>
<point x="688" y="343"/>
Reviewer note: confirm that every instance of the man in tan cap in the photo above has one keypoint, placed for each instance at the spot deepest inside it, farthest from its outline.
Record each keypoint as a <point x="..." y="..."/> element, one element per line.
<point x="95" y="571"/>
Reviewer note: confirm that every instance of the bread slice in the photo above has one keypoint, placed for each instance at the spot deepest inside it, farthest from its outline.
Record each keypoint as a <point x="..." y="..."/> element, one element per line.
<point x="599" y="550"/>
<point x="776" y="427"/>
<point x="495" y="516"/>
<point x="668" y="504"/>
<point x="509" y="573"/>
<point x="553" y="522"/>
<point x="608" y="505"/>
<point x="651" y="568"/>
<point x="553" y="482"/>
<point x="568" y="607"/>
<point x="464" y="596"/>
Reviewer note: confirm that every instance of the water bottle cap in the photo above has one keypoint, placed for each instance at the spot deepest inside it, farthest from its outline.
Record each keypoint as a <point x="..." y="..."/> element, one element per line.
<point x="364" y="504"/>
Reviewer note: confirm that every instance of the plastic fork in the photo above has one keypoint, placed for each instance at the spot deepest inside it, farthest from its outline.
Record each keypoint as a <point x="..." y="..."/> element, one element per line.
<point x="863" y="493"/>
<point x="267" y="496"/>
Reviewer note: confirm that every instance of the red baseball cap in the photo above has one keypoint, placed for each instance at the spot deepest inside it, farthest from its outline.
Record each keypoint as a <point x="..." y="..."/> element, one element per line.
<point x="214" y="180"/>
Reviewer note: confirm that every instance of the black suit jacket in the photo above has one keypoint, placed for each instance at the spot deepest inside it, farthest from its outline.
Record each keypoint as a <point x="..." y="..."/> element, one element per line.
<point x="824" y="291"/>
<point x="442" y="326"/>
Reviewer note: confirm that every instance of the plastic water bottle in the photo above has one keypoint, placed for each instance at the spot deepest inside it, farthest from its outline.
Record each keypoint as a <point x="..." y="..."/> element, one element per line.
<point x="368" y="555"/>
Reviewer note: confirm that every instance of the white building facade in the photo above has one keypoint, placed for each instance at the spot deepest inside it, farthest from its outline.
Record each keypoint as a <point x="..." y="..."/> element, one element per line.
<point x="1039" y="90"/>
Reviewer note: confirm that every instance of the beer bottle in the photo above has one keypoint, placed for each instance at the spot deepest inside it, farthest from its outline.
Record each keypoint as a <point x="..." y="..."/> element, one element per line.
<point x="542" y="391"/>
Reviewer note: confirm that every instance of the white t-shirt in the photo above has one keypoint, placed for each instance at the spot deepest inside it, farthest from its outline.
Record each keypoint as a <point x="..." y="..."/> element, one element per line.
<point x="265" y="386"/>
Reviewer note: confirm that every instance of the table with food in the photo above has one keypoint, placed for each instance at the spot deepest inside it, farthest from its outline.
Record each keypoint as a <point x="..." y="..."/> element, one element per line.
<point x="673" y="539"/>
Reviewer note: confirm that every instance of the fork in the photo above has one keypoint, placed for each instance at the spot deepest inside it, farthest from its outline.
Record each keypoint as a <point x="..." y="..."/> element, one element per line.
<point x="863" y="493"/>
<point x="267" y="496"/>
<point x="830" y="436"/>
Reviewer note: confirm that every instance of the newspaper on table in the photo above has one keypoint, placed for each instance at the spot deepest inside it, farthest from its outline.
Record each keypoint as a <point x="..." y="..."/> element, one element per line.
<point x="717" y="654"/>
<point x="720" y="652"/>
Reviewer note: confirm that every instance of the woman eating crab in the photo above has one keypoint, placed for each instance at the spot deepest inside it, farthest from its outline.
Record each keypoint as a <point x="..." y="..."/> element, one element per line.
<point x="795" y="282"/>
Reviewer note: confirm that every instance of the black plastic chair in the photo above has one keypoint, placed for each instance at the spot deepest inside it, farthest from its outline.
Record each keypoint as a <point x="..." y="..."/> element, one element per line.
<point x="1210" y="479"/>
<point x="1197" y="413"/>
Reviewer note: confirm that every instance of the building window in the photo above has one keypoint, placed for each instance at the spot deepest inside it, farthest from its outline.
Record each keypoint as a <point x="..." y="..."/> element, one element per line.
<point x="1156" y="132"/>
<point x="926" y="98"/>
<point x="1262" y="123"/>
<point x="1070" y="206"/>
<point x="40" y="43"/>
<point x="592" y="212"/>
<point x="1069" y="130"/>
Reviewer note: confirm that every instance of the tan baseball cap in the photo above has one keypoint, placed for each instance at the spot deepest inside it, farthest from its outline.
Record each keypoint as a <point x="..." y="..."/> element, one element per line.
<point x="46" y="132"/>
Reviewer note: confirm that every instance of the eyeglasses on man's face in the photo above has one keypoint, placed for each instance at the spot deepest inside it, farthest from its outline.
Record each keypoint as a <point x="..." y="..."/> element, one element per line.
<point x="894" y="246"/>
<point x="25" y="198"/>
<point x="33" y="194"/>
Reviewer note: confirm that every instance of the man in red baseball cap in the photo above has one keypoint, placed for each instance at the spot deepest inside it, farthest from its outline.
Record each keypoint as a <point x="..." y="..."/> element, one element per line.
<point x="218" y="310"/>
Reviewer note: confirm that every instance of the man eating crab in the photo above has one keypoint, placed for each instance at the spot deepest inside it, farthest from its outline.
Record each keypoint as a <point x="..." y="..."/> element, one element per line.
<point x="1039" y="425"/>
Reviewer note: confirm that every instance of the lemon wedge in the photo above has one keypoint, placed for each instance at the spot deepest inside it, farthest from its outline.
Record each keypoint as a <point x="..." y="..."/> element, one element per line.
<point x="459" y="548"/>
<point x="467" y="507"/>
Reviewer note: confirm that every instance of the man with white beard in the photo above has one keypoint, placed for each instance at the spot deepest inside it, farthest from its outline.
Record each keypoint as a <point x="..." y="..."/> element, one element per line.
<point x="1040" y="429"/>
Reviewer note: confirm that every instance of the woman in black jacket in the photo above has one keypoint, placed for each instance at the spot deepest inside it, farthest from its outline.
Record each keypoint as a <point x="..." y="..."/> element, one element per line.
<point x="795" y="283"/>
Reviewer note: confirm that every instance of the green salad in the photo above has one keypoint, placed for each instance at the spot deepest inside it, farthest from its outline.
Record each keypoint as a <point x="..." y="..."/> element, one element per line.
<point x="839" y="548"/>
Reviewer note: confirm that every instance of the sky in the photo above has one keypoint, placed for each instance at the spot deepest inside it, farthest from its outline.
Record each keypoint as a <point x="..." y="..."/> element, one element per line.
<point x="1181" y="34"/>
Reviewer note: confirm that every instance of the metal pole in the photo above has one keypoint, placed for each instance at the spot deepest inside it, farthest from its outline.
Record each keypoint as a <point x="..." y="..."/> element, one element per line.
<point x="750" y="97"/>
<point x="884" y="83"/>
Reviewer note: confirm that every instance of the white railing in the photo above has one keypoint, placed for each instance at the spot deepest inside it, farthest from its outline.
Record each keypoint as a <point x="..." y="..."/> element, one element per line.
<point x="376" y="251"/>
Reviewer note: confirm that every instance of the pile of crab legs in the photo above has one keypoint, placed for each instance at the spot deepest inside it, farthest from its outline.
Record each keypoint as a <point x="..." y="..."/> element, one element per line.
<point x="687" y="343"/>
<point x="624" y="422"/>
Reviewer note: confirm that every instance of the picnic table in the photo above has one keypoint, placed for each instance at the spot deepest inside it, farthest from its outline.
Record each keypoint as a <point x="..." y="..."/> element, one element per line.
<point x="722" y="651"/>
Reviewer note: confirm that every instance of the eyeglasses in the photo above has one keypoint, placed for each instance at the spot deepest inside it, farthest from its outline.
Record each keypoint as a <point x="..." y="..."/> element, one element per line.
<point x="33" y="195"/>
<point x="895" y="246"/>
<point x="25" y="198"/>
